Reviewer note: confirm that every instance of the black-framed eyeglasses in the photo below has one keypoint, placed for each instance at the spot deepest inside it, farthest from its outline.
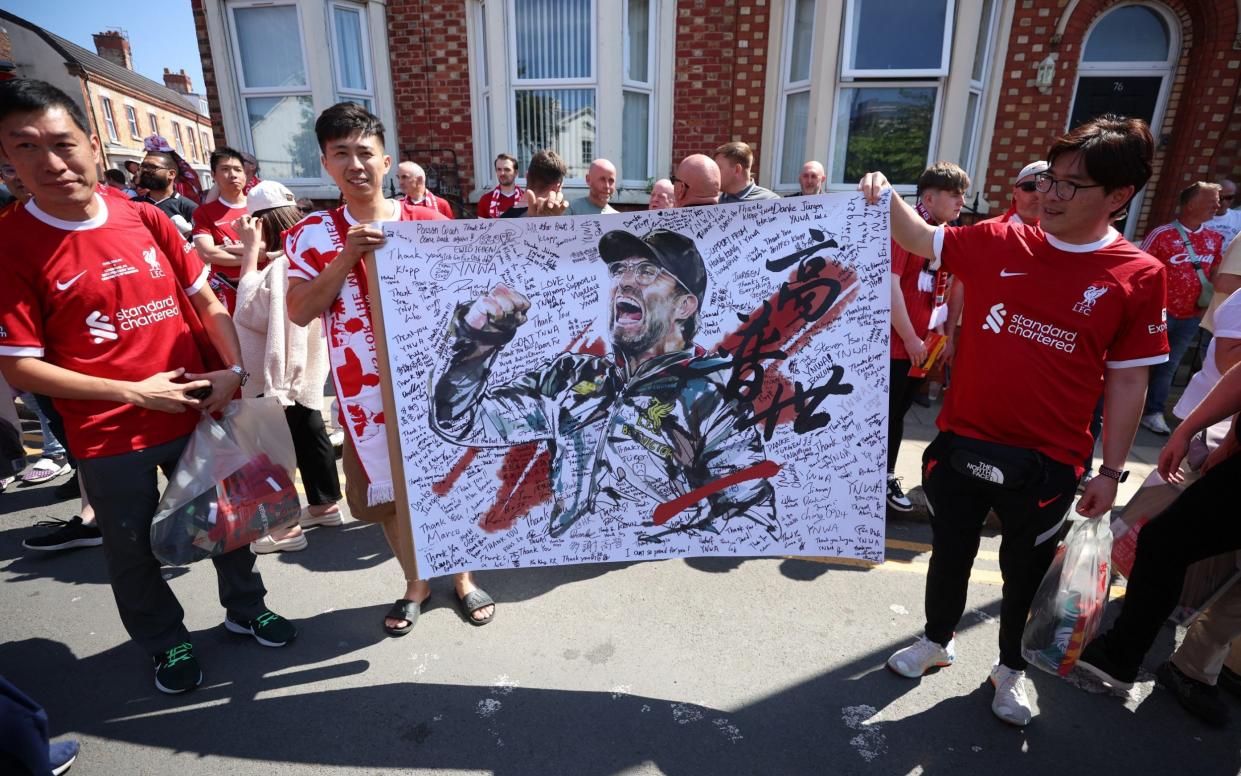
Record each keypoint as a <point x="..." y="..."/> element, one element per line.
<point x="644" y="272"/>
<point x="1227" y="197"/>
<point x="1065" y="190"/>
<point x="675" y="180"/>
<point x="1029" y="187"/>
<point x="152" y="167"/>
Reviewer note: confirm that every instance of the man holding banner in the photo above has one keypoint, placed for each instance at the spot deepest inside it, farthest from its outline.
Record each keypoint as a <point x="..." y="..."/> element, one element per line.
<point x="327" y="277"/>
<point x="1054" y="312"/>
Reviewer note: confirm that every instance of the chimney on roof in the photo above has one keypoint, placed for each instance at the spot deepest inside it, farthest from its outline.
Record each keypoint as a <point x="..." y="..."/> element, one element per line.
<point x="113" y="46"/>
<point x="178" y="82"/>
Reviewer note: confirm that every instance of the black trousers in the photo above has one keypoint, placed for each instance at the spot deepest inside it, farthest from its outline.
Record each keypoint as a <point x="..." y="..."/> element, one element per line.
<point x="1031" y="518"/>
<point x="23" y="732"/>
<point x="124" y="491"/>
<point x="903" y="389"/>
<point x="1201" y="523"/>
<point x="315" y="458"/>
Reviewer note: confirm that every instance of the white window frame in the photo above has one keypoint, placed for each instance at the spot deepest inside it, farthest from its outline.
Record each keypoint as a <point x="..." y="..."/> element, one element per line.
<point x="193" y="142"/>
<point x="932" y="144"/>
<point x="245" y="91"/>
<point x="204" y="145"/>
<point x="484" y="106"/>
<point x="847" y="50"/>
<point x="153" y="121"/>
<point x="972" y="138"/>
<point x="641" y="87"/>
<point x="1165" y="70"/>
<point x="176" y="138"/>
<point x="109" y="118"/>
<point x="367" y="96"/>
<point x="789" y="88"/>
<point x="537" y="84"/>
<point x="131" y="116"/>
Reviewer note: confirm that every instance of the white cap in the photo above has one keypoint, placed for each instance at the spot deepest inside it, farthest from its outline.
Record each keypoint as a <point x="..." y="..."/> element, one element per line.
<point x="267" y="195"/>
<point x="1031" y="169"/>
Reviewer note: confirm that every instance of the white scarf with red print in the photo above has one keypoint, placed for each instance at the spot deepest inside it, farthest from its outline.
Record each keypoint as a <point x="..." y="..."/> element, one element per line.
<point x="428" y="200"/>
<point x="497" y="196"/>
<point x="355" y="370"/>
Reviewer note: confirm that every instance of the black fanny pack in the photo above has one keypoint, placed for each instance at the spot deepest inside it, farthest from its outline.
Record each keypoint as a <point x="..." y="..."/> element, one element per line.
<point x="1005" y="466"/>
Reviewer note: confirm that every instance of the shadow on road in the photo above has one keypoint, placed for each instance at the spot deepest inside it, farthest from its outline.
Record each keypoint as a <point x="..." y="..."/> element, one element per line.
<point x="284" y="706"/>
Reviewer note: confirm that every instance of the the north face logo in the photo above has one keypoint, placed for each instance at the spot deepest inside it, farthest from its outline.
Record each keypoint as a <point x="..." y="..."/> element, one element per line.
<point x="985" y="471"/>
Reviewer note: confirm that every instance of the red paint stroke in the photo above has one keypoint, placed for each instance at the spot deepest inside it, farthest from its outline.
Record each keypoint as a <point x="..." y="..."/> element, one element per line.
<point x="523" y="486"/>
<point x="669" y="509"/>
<point x="445" y="485"/>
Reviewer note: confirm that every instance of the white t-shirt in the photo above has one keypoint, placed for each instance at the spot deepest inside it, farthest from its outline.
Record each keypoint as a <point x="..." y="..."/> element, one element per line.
<point x="1227" y="324"/>
<point x="1228" y="225"/>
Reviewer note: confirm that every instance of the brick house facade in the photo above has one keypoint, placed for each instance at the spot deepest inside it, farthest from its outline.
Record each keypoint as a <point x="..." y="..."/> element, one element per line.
<point x="797" y="80"/>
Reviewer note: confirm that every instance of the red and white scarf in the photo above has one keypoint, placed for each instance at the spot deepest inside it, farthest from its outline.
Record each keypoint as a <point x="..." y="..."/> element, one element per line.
<point x="428" y="200"/>
<point x="355" y="369"/>
<point x="497" y="196"/>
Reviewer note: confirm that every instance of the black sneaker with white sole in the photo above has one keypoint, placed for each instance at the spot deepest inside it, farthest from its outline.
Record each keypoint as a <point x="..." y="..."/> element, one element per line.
<point x="897" y="500"/>
<point x="176" y="670"/>
<point x="68" y="535"/>
<point x="268" y="629"/>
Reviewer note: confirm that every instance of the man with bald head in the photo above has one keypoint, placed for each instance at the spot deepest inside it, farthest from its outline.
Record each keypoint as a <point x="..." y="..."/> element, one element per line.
<point x="601" y="183"/>
<point x="811" y="179"/>
<point x="662" y="195"/>
<point x="697" y="181"/>
<point x="413" y="182"/>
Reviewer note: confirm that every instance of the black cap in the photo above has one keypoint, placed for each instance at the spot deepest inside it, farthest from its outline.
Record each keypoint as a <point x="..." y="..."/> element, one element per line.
<point x="676" y="253"/>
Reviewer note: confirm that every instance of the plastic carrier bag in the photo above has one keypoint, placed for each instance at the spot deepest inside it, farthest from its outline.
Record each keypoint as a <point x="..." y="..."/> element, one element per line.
<point x="1069" y="603"/>
<point x="233" y="485"/>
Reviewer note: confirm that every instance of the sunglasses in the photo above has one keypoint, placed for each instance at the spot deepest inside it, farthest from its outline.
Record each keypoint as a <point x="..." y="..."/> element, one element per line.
<point x="1029" y="187"/>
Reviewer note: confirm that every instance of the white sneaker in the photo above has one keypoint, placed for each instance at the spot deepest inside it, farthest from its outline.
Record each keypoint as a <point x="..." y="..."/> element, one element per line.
<point x="268" y="544"/>
<point x="1011" y="703"/>
<point x="921" y="656"/>
<point x="307" y="520"/>
<point x="1155" y="422"/>
<point x="897" y="500"/>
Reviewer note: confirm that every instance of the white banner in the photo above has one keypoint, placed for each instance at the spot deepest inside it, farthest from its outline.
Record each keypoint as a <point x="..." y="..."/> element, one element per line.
<point x="705" y="381"/>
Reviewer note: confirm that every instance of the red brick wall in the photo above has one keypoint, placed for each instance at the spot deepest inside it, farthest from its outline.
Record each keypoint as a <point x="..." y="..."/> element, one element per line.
<point x="430" y="62"/>
<point x="1198" y="139"/>
<point x="209" y="82"/>
<point x="721" y="64"/>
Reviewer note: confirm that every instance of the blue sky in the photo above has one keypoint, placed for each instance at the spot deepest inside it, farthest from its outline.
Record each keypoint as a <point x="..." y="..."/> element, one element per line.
<point x="161" y="34"/>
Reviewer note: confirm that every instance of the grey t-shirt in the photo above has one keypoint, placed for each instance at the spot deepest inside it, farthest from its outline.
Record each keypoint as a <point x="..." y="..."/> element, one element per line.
<point x="584" y="207"/>
<point x="753" y="191"/>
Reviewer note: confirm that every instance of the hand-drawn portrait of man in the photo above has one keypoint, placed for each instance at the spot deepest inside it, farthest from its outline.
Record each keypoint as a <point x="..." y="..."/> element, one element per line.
<point x="646" y="435"/>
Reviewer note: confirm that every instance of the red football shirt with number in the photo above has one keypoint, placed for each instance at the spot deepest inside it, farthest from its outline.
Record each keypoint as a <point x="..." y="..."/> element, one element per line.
<point x="1184" y="287"/>
<point x="215" y="219"/>
<point x="1042" y="320"/>
<point x="101" y="298"/>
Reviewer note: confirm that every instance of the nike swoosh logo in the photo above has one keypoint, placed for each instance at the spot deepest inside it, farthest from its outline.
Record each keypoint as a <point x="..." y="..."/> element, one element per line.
<point x="1042" y="503"/>
<point x="1006" y="274"/>
<point x="62" y="286"/>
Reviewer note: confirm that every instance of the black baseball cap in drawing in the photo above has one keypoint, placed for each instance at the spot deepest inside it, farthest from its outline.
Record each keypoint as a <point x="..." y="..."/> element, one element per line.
<point x="674" y="252"/>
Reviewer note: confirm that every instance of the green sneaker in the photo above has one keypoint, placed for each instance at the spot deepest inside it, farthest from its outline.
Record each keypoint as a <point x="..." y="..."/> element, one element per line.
<point x="268" y="629"/>
<point x="176" y="670"/>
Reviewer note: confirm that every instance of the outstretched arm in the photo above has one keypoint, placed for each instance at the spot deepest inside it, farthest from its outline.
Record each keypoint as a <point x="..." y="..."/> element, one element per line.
<point x="909" y="229"/>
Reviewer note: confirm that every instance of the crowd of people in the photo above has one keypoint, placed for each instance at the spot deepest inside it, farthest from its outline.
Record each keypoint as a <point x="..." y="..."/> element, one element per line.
<point x="1069" y="334"/>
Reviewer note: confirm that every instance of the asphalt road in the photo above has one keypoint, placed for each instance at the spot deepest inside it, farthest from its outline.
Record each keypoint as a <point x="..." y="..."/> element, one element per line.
<point x="765" y="666"/>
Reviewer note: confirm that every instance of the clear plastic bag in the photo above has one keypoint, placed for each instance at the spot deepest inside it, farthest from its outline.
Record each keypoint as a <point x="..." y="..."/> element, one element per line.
<point x="1069" y="603"/>
<point x="233" y="485"/>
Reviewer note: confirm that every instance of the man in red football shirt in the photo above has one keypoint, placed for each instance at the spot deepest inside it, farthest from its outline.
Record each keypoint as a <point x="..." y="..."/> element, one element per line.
<point x="413" y="182"/>
<point x="917" y="308"/>
<point x="328" y="277"/>
<point x="1191" y="252"/>
<point x="214" y="237"/>
<point x="1054" y="312"/>
<point x="494" y="203"/>
<point x="105" y="308"/>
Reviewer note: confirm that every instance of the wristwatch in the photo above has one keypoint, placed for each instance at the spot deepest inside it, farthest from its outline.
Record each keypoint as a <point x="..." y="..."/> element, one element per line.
<point x="240" y="371"/>
<point x="1115" y="474"/>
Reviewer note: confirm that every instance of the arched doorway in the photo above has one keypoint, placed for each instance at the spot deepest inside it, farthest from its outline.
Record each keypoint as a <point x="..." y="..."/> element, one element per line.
<point x="1126" y="68"/>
